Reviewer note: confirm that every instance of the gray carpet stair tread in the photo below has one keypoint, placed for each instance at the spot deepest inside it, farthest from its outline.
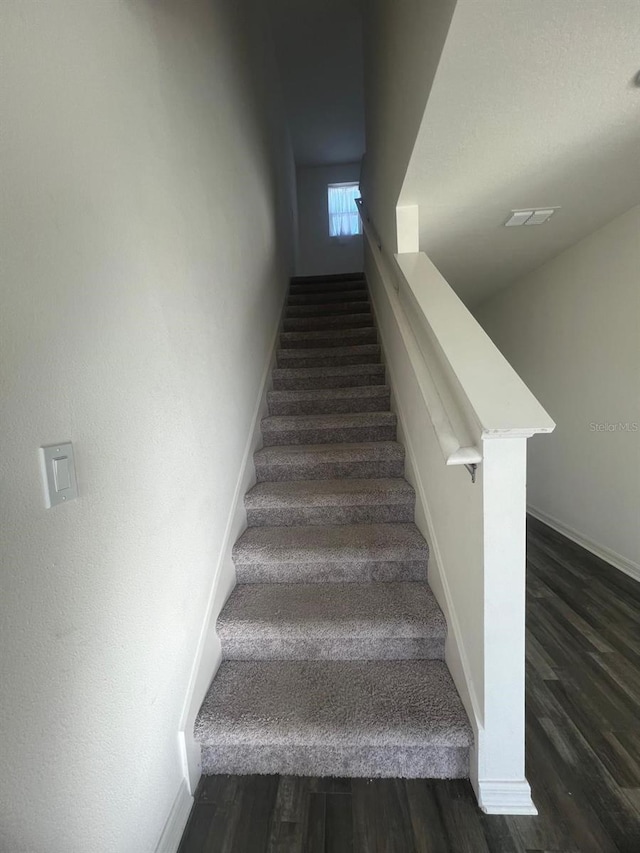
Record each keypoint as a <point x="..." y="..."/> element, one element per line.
<point x="327" y="309"/>
<point x="328" y="287"/>
<point x="328" y="337"/>
<point x="329" y="393"/>
<point x="311" y="543"/>
<point x="329" y="461"/>
<point x="331" y="370"/>
<point x="333" y="321"/>
<point x="333" y="703"/>
<point x="338" y="334"/>
<point x="298" y="454"/>
<point x="349" y="399"/>
<point x="289" y="423"/>
<point x="345" y="376"/>
<point x="356" y="295"/>
<point x="310" y="289"/>
<point x="350" y="351"/>
<point x="330" y="611"/>
<point x="331" y="428"/>
<point x="319" y="493"/>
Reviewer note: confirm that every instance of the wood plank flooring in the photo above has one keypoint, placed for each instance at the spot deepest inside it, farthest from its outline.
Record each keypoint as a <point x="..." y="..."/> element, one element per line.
<point x="583" y="747"/>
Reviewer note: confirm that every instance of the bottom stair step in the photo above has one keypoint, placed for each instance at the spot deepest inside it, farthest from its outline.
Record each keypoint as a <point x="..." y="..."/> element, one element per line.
<point x="334" y="718"/>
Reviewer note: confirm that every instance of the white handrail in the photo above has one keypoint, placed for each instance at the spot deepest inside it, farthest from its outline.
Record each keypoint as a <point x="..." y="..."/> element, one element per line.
<point x="452" y="449"/>
<point x="469" y="389"/>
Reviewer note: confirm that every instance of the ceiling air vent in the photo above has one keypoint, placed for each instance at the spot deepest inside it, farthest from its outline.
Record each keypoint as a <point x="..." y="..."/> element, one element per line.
<point x="530" y="217"/>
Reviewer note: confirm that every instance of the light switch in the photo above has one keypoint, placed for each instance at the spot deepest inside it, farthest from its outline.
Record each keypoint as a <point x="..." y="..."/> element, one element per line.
<point x="59" y="472"/>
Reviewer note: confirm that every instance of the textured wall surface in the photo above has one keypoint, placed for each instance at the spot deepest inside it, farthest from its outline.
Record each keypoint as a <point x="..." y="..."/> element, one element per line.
<point x="572" y="331"/>
<point x="145" y="168"/>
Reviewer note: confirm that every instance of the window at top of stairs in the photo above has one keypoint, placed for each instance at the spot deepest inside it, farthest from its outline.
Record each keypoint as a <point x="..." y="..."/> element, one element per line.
<point x="344" y="220"/>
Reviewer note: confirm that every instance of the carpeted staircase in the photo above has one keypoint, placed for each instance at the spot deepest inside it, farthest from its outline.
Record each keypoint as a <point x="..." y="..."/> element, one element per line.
<point x="332" y="641"/>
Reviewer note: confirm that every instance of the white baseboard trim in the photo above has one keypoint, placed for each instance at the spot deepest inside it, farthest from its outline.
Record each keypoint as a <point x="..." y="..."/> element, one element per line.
<point x="505" y="797"/>
<point x="177" y="820"/>
<point x="614" y="559"/>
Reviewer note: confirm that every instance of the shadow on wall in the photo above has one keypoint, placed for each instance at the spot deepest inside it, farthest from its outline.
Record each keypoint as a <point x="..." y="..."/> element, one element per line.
<point x="318" y="253"/>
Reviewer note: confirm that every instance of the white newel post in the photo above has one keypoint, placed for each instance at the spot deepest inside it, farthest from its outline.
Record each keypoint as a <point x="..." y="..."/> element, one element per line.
<point x="501" y="783"/>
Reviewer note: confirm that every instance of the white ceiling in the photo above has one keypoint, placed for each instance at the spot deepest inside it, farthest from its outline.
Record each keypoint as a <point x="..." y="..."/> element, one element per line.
<point x="533" y="105"/>
<point x="319" y="53"/>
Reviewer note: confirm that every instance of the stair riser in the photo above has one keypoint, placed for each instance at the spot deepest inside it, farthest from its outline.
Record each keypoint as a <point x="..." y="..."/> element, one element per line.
<point x="285" y="361"/>
<point x="328" y="309"/>
<point x="364" y="571"/>
<point x="308" y="383"/>
<point x="314" y="324"/>
<point x="360" y="762"/>
<point x="329" y="471"/>
<point x="377" y="403"/>
<point x="366" y="514"/>
<point x="313" y="340"/>
<point x="235" y="647"/>
<point x="325" y="298"/>
<point x="328" y="286"/>
<point x="328" y="436"/>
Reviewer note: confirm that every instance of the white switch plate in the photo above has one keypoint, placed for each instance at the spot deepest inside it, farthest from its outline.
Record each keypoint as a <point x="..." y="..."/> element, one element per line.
<point x="59" y="472"/>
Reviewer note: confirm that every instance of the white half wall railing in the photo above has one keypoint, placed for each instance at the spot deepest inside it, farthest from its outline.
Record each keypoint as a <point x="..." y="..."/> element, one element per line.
<point x="463" y="409"/>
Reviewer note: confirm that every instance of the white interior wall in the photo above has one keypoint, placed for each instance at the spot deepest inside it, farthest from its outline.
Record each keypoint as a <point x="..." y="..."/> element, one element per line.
<point x="147" y="201"/>
<point x="318" y="253"/>
<point x="572" y="331"/>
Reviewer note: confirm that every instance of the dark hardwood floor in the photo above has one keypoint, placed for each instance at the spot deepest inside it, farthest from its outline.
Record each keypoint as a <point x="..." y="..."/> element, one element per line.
<point x="583" y="747"/>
